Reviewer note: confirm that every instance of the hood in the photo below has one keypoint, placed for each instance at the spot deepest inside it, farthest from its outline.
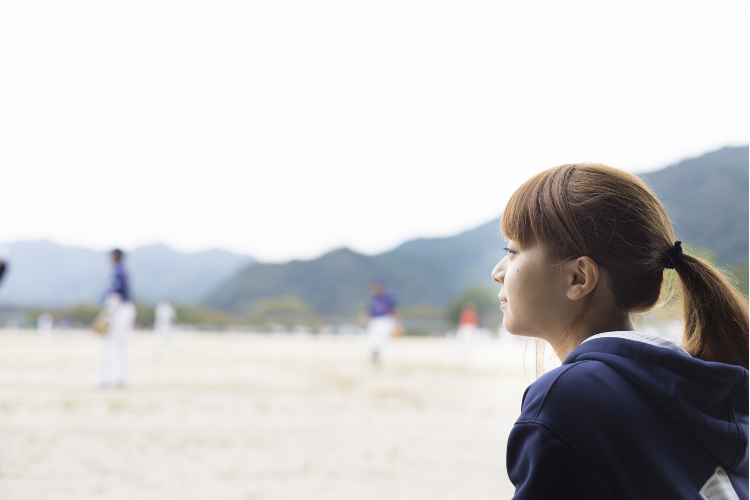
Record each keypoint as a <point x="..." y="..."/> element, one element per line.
<point x="708" y="400"/>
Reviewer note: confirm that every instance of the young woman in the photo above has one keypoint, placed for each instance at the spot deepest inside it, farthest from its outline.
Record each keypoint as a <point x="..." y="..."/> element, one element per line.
<point x="628" y="415"/>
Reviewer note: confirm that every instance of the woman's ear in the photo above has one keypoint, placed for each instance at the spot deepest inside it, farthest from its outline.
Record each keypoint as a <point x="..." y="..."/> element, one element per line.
<point x="582" y="276"/>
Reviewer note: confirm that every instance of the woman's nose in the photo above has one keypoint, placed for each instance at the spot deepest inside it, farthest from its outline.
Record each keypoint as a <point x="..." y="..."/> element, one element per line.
<point x="498" y="274"/>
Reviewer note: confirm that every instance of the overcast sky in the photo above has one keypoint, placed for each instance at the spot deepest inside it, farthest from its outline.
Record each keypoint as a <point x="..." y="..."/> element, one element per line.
<point x="283" y="129"/>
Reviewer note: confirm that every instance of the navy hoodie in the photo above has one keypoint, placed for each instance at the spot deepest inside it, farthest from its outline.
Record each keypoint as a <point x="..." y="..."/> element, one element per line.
<point x="627" y="419"/>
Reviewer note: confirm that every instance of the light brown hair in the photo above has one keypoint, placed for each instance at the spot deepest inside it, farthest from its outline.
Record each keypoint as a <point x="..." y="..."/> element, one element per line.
<point x="613" y="217"/>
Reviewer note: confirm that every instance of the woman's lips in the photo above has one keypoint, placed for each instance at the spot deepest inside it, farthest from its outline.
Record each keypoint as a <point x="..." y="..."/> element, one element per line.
<point x="503" y="301"/>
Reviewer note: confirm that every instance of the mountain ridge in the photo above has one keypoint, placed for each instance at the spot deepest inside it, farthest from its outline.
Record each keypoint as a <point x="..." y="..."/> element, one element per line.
<point x="429" y="271"/>
<point x="696" y="218"/>
<point x="42" y="273"/>
<point x="706" y="198"/>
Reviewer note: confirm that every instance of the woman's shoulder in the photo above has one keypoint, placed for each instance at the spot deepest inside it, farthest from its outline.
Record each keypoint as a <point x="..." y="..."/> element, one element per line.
<point x="580" y="387"/>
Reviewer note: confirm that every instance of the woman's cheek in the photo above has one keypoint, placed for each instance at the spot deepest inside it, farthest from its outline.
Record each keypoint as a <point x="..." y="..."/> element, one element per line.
<point x="525" y="310"/>
<point x="516" y="300"/>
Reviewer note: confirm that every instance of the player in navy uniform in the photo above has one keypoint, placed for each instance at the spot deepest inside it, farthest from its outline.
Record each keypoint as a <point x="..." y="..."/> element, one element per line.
<point x="382" y="318"/>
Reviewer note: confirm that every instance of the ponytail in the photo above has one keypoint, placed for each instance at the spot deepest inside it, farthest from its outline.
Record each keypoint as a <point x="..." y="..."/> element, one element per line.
<point x="714" y="312"/>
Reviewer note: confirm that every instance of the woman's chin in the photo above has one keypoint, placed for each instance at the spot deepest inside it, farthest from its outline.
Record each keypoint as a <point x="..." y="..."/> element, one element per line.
<point x="509" y="326"/>
<point x="516" y="330"/>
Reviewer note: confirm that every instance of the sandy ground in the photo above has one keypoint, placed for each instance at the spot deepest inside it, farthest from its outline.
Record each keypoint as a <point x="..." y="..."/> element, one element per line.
<point x="232" y="416"/>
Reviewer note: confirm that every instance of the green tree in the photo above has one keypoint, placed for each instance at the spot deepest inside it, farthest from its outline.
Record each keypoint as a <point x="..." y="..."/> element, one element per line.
<point x="200" y="316"/>
<point x="79" y="313"/>
<point x="741" y="271"/>
<point x="144" y="315"/>
<point x="287" y="310"/>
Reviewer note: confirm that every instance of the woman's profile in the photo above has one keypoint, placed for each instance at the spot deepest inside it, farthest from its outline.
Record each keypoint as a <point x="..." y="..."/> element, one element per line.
<point x="628" y="415"/>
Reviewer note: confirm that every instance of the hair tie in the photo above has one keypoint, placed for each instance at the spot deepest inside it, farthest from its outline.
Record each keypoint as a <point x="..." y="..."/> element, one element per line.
<point x="675" y="256"/>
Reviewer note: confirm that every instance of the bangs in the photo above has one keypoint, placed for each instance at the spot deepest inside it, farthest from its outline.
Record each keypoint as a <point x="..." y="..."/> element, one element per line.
<point x="540" y="211"/>
<point x="522" y="216"/>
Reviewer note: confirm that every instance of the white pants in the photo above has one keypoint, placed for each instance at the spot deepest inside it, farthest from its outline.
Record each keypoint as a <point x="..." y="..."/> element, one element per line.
<point x="379" y="330"/>
<point x="165" y="337"/>
<point x="113" y="369"/>
<point x="467" y="333"/>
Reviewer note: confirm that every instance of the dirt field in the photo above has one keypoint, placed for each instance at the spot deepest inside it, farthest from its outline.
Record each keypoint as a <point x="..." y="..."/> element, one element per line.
<point x="233" y="416"/>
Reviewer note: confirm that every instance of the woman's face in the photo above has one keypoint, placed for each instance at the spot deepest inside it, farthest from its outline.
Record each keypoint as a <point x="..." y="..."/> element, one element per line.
<point x="533" y="297"/>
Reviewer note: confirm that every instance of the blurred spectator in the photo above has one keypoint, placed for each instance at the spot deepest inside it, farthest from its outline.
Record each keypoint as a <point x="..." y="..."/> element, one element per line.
<point x="45" y="323"/>
<point x="468" y="322"/>
<point x="164" y="330"/>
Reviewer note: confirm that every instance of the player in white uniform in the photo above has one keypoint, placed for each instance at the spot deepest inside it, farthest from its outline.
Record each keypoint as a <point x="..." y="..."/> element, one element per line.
<point x="114" y="366"/>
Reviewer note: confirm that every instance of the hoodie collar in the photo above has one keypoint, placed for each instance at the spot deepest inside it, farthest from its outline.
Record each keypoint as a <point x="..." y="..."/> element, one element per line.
<point x="647" y="338"/>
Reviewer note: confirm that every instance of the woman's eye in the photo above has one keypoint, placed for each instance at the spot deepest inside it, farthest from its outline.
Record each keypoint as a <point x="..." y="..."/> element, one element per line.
<point x="509" y="251"/>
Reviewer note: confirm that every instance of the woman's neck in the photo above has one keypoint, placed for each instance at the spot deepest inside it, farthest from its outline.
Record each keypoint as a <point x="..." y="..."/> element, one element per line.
<point x="589" y="327"/>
